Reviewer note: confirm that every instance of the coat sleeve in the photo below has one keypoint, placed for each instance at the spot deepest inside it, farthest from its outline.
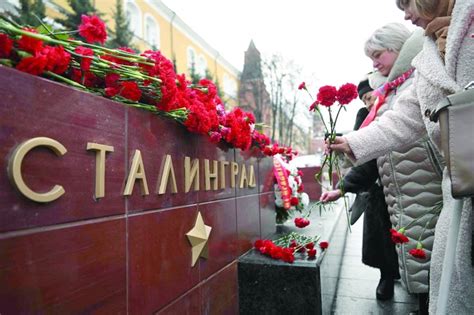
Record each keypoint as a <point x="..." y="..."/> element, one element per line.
<point x="360" y="178"/>
<point x="395" y="129"/>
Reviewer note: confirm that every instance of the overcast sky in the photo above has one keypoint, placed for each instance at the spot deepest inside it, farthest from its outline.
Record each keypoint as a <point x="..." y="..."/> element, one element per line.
<point x="326" y="37"/>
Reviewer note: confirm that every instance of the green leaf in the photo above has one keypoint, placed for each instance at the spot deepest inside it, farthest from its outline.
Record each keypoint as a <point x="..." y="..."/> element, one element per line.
<point x="62" y="36"/>
<point x="44" y="29"/>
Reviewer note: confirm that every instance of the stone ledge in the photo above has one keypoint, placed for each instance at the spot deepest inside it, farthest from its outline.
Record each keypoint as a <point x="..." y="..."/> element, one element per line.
<point x="268" y="286"/>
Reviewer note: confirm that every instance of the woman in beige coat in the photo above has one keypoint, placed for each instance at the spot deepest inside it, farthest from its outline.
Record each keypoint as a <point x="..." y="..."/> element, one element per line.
<point x="445" y="66"/>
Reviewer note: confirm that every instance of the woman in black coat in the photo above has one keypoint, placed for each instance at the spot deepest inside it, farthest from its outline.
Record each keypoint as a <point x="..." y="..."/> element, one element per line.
<point x="378" y="250"/>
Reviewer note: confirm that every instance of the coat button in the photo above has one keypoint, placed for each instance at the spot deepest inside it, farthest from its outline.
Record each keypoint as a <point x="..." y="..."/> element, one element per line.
<point x="427" y="113"/>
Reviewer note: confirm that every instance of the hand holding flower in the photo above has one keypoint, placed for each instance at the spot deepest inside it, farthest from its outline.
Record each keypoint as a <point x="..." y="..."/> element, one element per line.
<point x="339" y="144"/>
<point x="332" y="195"/>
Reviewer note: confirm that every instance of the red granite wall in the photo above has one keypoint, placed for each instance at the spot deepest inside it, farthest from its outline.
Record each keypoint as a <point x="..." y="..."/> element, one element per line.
<point x="311" y="186"/>
<point x="116" y="254"/>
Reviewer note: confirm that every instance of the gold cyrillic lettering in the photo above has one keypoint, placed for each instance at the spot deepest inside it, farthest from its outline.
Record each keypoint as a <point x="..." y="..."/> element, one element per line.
<point x="167" y="169"/>
<point x="223" y="164"/>
<point x="243" y="177"/>
<point x="191" y="174"/>
<point x="208" y="175"/>
<point x="252" y="183"/>
<point x="137" y="172"/>
<point x="234" y="170"/>
<point x="14" y="168"/>
<point x="100" y="151"/>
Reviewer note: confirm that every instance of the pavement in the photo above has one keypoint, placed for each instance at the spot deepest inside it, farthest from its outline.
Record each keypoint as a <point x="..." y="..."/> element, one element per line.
<point x="357" y="284"/>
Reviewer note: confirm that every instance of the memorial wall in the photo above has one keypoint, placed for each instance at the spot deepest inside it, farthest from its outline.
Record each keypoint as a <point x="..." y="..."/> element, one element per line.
<point x="108" y="209"/>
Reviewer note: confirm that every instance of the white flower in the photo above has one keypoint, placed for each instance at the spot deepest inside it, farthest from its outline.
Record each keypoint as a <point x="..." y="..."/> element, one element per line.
<point x="279" y="202"/>
<point x="304" y="199"/>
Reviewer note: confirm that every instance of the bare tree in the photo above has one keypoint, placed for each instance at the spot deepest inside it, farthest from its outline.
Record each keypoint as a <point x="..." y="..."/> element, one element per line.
<point x="282" y="79"/>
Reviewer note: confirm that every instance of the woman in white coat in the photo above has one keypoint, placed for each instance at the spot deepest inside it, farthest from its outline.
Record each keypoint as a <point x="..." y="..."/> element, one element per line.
<point x="445" y="66"/>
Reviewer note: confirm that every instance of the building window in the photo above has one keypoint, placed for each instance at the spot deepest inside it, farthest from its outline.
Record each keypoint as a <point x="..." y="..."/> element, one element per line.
<point x="191" y="55"/>
<point x="152" y="32"/>
<point x="135" y="17"/>
<point x="230" y="86"/>
<point x="201" y="66"/>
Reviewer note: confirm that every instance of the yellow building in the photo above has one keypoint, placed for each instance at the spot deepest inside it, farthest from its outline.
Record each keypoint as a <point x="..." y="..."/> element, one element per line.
<point x="157" y="26"/>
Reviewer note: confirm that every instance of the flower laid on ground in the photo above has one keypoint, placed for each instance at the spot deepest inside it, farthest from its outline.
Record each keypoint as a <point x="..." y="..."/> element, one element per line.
<point x="147" y="81"/>
<point x="290" y="198"/>
<point x="301" y="222"/>
<point x="328" y="96"/>
<point x="286" y="247"/>
<point x="323" y="245"/>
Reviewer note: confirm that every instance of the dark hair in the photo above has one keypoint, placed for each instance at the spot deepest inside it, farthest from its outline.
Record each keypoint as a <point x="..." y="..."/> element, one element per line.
<point x="363" y="87"/>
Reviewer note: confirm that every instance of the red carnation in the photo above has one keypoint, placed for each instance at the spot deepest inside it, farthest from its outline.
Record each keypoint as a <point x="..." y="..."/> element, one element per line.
<point x="258" y="243"/>
<point x="310" y="245"/>
<point x="30" y="44"/>
<point x="313" y="106"/>
<point x="33" y="65"/>
<point x="287" y="255"/>
<point x="302" y="86"/>
<point x="347" y="93"/>
<point x="131" y="91"/>
<point x="398" y="236"/>
<point x="215" y="137"/>
<point x="86" y="59"/>
<point x="6" y="44"/>
<point x="85" y="78"/>
<point x="323" y="245"/>
<point x="92" y="28"/>
<point x="327" y="95"/>
<point x="57" y="59"/>
<point x="312" y="253"/>
<point x="301" y="222"/>
<point x="418" y="253"/>
<point x="294" y="201"/>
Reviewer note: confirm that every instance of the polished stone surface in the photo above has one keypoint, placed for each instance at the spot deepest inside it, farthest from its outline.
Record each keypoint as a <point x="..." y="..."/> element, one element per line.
<point x="311" y="187"/>
<point x="248" y="222"/>
<point x="275" y="287"/>
<point x="220" y="292"/>
<point x="222" y="243"/>
<point x="160" y="258"/>
<point x="71" y="270"/>
<point x="266" y="177"/>
<point x="267" y="214"/>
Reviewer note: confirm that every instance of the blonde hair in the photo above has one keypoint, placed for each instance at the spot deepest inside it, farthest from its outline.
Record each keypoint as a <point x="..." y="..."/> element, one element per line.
<point x="426" y="8"/>
<point x="391" y="37"/>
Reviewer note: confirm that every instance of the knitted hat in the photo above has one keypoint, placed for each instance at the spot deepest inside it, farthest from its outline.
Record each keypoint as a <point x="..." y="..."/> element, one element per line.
<point x="363" y="88"/>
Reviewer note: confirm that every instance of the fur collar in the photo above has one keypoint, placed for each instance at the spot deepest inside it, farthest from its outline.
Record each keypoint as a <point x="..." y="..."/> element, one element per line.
<point x="461" y="18"/>
<point x="412" y="47"/>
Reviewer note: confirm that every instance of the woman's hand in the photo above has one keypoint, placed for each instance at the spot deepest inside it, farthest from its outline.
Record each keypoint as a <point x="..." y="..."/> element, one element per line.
<point x="332" y="195"/>
<point x="339" y="144"/>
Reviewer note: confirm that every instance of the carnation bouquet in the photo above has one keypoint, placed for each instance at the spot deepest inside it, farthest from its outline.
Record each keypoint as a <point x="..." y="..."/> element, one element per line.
<point x="334" y="100"/>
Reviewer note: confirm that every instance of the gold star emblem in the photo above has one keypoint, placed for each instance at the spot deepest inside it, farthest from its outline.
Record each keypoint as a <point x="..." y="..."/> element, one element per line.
<point x="198" y="237"/>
